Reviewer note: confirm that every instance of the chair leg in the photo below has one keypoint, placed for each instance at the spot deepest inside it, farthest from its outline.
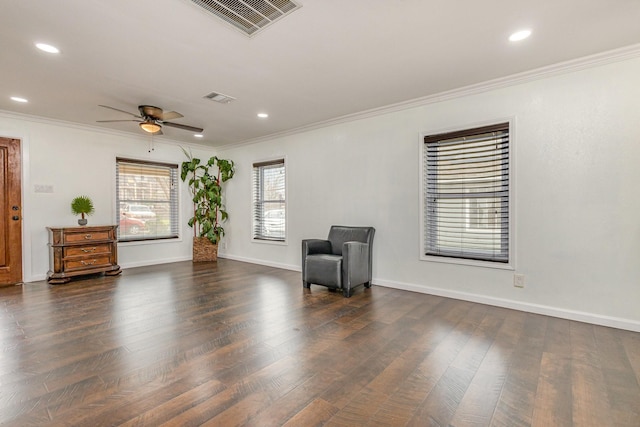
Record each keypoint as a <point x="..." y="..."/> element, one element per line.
<point x="346" y="292"/>
<point x="306" y="285"/>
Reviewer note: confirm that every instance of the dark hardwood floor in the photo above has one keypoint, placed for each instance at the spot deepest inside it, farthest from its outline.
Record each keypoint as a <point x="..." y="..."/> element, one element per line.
<point x="240" y="344"/>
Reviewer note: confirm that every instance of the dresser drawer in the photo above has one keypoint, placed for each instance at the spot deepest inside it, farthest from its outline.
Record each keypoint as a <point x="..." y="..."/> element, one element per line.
<point x="87" y="262"/>
<point x="87" y="236"/>
<point x="86" y="250"/>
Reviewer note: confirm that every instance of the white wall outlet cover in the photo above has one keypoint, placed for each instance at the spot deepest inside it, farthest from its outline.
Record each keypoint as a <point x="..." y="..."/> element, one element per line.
<point x="40" y="188"/>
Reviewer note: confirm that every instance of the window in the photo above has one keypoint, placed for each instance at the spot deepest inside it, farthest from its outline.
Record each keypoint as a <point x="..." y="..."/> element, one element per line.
<point x="466" y="194"/>
<point x="146" y="200"/>
<point x="269" y="207"/>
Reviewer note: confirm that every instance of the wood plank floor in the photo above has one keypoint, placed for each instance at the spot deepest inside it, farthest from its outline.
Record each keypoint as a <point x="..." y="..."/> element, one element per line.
<point x="236" y="344"/>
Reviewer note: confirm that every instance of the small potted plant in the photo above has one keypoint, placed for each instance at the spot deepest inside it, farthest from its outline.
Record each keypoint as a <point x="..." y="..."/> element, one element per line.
<point x="82" y="205"/>
<point x="205" y="184"/>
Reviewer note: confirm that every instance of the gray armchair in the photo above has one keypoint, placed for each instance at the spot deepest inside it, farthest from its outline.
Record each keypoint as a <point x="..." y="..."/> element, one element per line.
<point x="343" y="261"/>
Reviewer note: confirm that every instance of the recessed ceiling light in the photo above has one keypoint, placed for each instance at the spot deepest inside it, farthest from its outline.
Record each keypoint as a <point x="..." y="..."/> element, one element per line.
<point x="519" y="35"/>
<point x="19" y="99"/>
<point x="263" y="115"/>
<point x="47" y="48"/>
<point x="199" y="135"/>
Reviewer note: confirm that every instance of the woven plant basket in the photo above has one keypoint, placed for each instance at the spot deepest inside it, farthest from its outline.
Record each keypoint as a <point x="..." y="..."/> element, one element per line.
<point x="204" y="250"/>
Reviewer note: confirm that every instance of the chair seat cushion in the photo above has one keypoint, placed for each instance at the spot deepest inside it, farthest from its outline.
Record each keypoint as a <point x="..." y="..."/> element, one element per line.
<point x="324" y="269"/>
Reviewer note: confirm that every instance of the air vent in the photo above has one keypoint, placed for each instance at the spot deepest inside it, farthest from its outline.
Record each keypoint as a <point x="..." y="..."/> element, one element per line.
<point x="249" y="16"/>
<point x="219" y="97"/>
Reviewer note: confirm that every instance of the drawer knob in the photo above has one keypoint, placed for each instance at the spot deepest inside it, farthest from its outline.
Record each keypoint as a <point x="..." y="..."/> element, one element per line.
<point x="88" y="250"/>
<point x="87" y="236"/>
<point x="88" y="263"/>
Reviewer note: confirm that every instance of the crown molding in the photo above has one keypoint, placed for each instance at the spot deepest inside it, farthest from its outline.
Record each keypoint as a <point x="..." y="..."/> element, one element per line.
<point x="587" y="62"/>
<point x="574" y="65"/>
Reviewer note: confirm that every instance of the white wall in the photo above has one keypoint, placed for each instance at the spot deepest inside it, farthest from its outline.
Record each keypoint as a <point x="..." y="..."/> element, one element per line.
<point x="77" y="160"/>
<point x="576" y="150"/>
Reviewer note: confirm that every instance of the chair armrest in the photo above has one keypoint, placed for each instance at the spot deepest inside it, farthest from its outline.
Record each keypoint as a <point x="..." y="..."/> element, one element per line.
<point x="315" y="246"/>
<point x="355" y="261"/>
<point x="310" y="247"/>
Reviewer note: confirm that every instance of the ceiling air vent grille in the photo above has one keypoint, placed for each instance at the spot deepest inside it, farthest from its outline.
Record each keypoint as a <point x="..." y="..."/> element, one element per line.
<point x="249" y="16"/>
<point x="219" y="97"/>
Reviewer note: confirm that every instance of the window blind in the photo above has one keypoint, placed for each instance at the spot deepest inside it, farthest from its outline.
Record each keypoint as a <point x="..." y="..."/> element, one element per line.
<point x="146" y="200"/>
<point x="269" y="204"/>
<point x="467" y="194"/>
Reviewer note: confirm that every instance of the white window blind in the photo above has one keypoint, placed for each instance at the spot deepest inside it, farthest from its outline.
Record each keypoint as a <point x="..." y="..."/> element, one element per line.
<point x="269" y="207"/>
<point x="467" y="194"/>
<point x="146" y="200"/>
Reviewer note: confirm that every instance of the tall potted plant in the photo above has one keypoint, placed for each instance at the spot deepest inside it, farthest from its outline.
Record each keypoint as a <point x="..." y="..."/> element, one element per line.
<point x="205" y="184"/>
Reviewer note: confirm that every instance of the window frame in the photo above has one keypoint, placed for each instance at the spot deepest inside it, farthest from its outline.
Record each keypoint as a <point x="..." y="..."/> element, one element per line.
<point x="176" y="209"/>
<point x="276" y="160"/>
<point x="511" y="263"/>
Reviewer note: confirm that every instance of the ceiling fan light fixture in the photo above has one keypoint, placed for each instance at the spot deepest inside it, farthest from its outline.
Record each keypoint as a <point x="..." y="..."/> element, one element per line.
<point x="150" y="127"/>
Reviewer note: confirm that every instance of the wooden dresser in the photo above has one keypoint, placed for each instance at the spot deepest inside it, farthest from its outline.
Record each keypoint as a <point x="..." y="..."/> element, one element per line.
<point x="75" y="251"/>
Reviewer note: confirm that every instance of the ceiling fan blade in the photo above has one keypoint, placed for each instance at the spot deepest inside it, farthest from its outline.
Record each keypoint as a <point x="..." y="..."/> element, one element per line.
<point x="170" y="115"/>
<point x="122" y="111"/>
<point x="113" y="121"/>
<point x="183" y="127"/>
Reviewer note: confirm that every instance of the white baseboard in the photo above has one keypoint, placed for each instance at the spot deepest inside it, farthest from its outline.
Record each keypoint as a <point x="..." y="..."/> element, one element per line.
<point x="35" y="278"/>
<point x="154" y="262"/>
<point x="260" y="262"/>
<point x="580" y="316"/>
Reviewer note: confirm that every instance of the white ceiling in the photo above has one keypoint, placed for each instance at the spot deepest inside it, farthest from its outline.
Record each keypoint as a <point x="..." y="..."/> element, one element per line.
<point x="329" y="59"/>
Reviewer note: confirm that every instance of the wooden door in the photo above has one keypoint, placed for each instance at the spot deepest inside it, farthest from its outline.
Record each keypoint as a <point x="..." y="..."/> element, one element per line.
<point x="11" y="211"/>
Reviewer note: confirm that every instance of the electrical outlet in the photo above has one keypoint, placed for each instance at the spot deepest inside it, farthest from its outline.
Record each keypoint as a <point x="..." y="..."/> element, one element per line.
<point x="223" y="246"/>
<point x="518" y="280"/>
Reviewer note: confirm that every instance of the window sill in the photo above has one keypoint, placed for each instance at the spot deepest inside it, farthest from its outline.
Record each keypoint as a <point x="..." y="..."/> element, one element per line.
<point x="271" y="242"/>
<point x="468" y="262"/>
<point x="150" y="241"/>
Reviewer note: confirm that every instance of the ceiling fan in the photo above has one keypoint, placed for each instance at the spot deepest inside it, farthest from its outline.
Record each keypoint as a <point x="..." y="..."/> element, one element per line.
<point x="151" y="119"/>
